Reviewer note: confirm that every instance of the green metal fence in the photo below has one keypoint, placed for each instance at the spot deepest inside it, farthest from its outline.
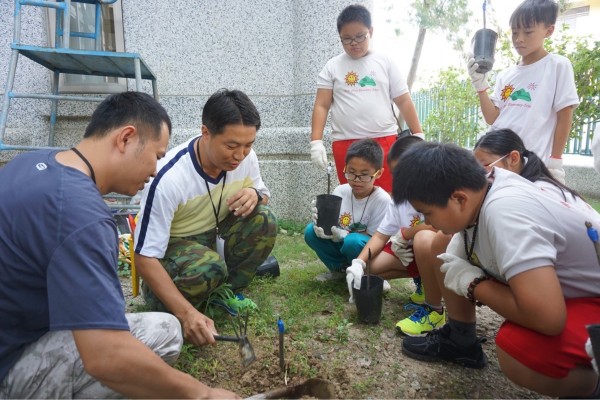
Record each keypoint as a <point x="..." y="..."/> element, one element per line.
<point x="428" y="100"/>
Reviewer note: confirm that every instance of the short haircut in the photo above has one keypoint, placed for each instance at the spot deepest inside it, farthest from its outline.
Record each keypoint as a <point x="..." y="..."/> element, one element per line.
<point x="229" y="107"/>
<point x="531" y="12"/>
<point x="354" y="13"/>
<point x="129" y="108"/>
<point x="430" y="172"/>
<point x="367" y="149"/>
<point x="400" y="146"/>
<point x="504" y="141"/>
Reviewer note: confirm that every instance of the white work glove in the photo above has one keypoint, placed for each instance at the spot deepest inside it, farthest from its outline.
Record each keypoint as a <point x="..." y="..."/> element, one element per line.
<point x="401" y="249"/>
<point x="338" y="234"/>
<point x="354" y="274"/>
<point x="318" y="155"/>
<point x="478" y="80"/>
<point x="320" y="232"/>
<point x="590" y="352"/>
<point x="459" y="273"/>
<point x="555" y="166"/>
<point x="314" y="212"/>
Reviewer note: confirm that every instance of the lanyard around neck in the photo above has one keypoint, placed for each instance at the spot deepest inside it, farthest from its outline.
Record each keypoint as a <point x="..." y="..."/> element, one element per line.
<point x="216" y="210"/>
<point x="85" y="160"/>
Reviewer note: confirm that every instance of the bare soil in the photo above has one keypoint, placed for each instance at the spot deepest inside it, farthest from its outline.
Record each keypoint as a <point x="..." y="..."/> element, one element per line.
<point x="369" y="365"/>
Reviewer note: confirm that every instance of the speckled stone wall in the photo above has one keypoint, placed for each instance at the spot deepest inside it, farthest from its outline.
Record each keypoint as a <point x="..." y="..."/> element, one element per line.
<point x="271" y="50"/>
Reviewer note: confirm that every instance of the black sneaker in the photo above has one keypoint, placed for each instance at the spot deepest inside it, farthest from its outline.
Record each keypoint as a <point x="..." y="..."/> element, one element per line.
<point x="436" y="346"/>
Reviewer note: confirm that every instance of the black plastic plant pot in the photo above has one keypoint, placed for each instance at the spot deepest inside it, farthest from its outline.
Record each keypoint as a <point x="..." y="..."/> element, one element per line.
<point x="369" y="301"/>
<point x="328" y="208"/>
<point x="484" y="48"/>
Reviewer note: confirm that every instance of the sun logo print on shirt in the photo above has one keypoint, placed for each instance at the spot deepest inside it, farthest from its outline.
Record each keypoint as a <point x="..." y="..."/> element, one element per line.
<point x="351" y="78"/>
<point x="345" y="220"/>
<point x="416" y="220"/>
<point x="506" y="92"/>
<point x="510" y="92"/>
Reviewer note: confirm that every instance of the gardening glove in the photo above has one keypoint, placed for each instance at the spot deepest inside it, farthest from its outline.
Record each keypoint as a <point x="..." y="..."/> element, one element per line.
<point x="555" y="166"/>
<point x="459" y="273"/>
<point x="401" y="249"/>
<point x="318" y="155"/>
<point x="338" y="234"/>
<point x="314" y="213"/>
<point x="354" y="274"/>
<point x="590" y="352"/>
<point x="320" y="232"/>
<point x="478" y="80"/>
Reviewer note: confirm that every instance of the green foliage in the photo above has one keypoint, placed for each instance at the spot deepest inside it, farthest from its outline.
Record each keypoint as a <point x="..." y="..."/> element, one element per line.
<point x="585" y="57"/>
<point x="455" y="117"/>
<point x="290" y="227"/>
<point x="450" y="17"/>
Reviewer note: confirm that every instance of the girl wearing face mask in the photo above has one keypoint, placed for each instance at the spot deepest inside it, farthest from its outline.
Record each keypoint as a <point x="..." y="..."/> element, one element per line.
<point x="504" y="149"/>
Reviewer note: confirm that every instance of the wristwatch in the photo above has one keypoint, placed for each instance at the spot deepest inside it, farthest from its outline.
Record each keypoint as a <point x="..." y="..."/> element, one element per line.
<point x="260" y="198"/>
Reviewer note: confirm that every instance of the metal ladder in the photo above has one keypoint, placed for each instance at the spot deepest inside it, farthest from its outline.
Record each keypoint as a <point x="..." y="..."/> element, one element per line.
<point x="62" y="59"/>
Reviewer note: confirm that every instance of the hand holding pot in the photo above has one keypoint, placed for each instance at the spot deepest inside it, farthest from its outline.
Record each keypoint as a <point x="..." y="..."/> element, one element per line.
<point x="354" y="274"/>
<point x="314" y="212"/>
<point x="401" y="249"/>
<point x="590" y="352"/>
<point x="478" y="80"/>
<point x="459" y="273"/>
<point x="338" y="234"/>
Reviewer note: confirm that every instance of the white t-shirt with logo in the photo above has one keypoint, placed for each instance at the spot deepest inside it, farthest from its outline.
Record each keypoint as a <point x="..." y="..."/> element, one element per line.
<point x="521" y="229"/>
<point x="363" y="92"/>
<point x="529" y="97"/>
<point x="362" y="215"/>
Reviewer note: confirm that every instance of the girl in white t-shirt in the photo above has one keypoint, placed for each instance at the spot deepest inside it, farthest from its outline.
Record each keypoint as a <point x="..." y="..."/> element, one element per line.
<point x="503" y="148"/>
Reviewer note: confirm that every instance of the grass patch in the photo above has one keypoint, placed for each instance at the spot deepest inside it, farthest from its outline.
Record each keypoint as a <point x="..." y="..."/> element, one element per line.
<point x="594" y="203"/>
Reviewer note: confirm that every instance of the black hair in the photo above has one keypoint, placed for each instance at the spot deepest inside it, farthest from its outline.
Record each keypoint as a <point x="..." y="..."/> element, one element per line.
<point x="129" y="108"/>
<point x="503" y="141"/>
<point x="367" y="149"/>
<point x="229" y="107"/>
<point x="400" y="146"/>
<point x="430" y="172"/>
<point x="531" y="12"/>
<point x="354" y="13"/>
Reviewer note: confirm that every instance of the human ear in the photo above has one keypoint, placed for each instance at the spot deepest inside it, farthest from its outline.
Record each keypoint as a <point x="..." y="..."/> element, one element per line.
<point x="204" y="130"/>
<point x="549" y="30"/>
<point x="125" y="136"/>
<point x="460" y="198"/>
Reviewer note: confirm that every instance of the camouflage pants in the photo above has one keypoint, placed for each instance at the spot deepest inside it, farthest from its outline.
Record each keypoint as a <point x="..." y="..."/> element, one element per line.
<point x="51" y="367"/>
<point x="197" y="269"/>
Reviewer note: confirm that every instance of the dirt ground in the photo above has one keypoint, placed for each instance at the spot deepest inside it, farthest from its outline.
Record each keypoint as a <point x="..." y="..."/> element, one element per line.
<point x="369" y="365"/>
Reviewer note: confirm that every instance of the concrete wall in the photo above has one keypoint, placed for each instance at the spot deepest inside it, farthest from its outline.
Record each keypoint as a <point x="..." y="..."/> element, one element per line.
<point x="271" y="50"/>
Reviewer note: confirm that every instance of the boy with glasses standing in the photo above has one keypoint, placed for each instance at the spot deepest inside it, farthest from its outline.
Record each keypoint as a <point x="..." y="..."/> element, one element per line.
<point x="359" y="86"/>
<point x="363" y="208"/>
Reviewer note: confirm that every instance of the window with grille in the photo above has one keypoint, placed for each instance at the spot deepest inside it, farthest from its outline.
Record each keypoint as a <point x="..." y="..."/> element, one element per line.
<point x="83" y="20"/>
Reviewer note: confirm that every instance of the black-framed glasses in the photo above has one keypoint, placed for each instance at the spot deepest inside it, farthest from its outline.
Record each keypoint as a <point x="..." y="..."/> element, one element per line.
<point x="361" y="178"/>
<point x="356" y="39"/>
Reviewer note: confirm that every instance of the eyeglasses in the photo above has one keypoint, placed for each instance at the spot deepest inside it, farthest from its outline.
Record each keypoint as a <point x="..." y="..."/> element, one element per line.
<point x="361" y="178"/>
<point x="490" y="165"/>
<point x="357" y="39"/>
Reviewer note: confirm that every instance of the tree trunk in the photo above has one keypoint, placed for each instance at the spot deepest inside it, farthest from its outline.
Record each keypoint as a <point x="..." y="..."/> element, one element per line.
<point x="413" y="66"/>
